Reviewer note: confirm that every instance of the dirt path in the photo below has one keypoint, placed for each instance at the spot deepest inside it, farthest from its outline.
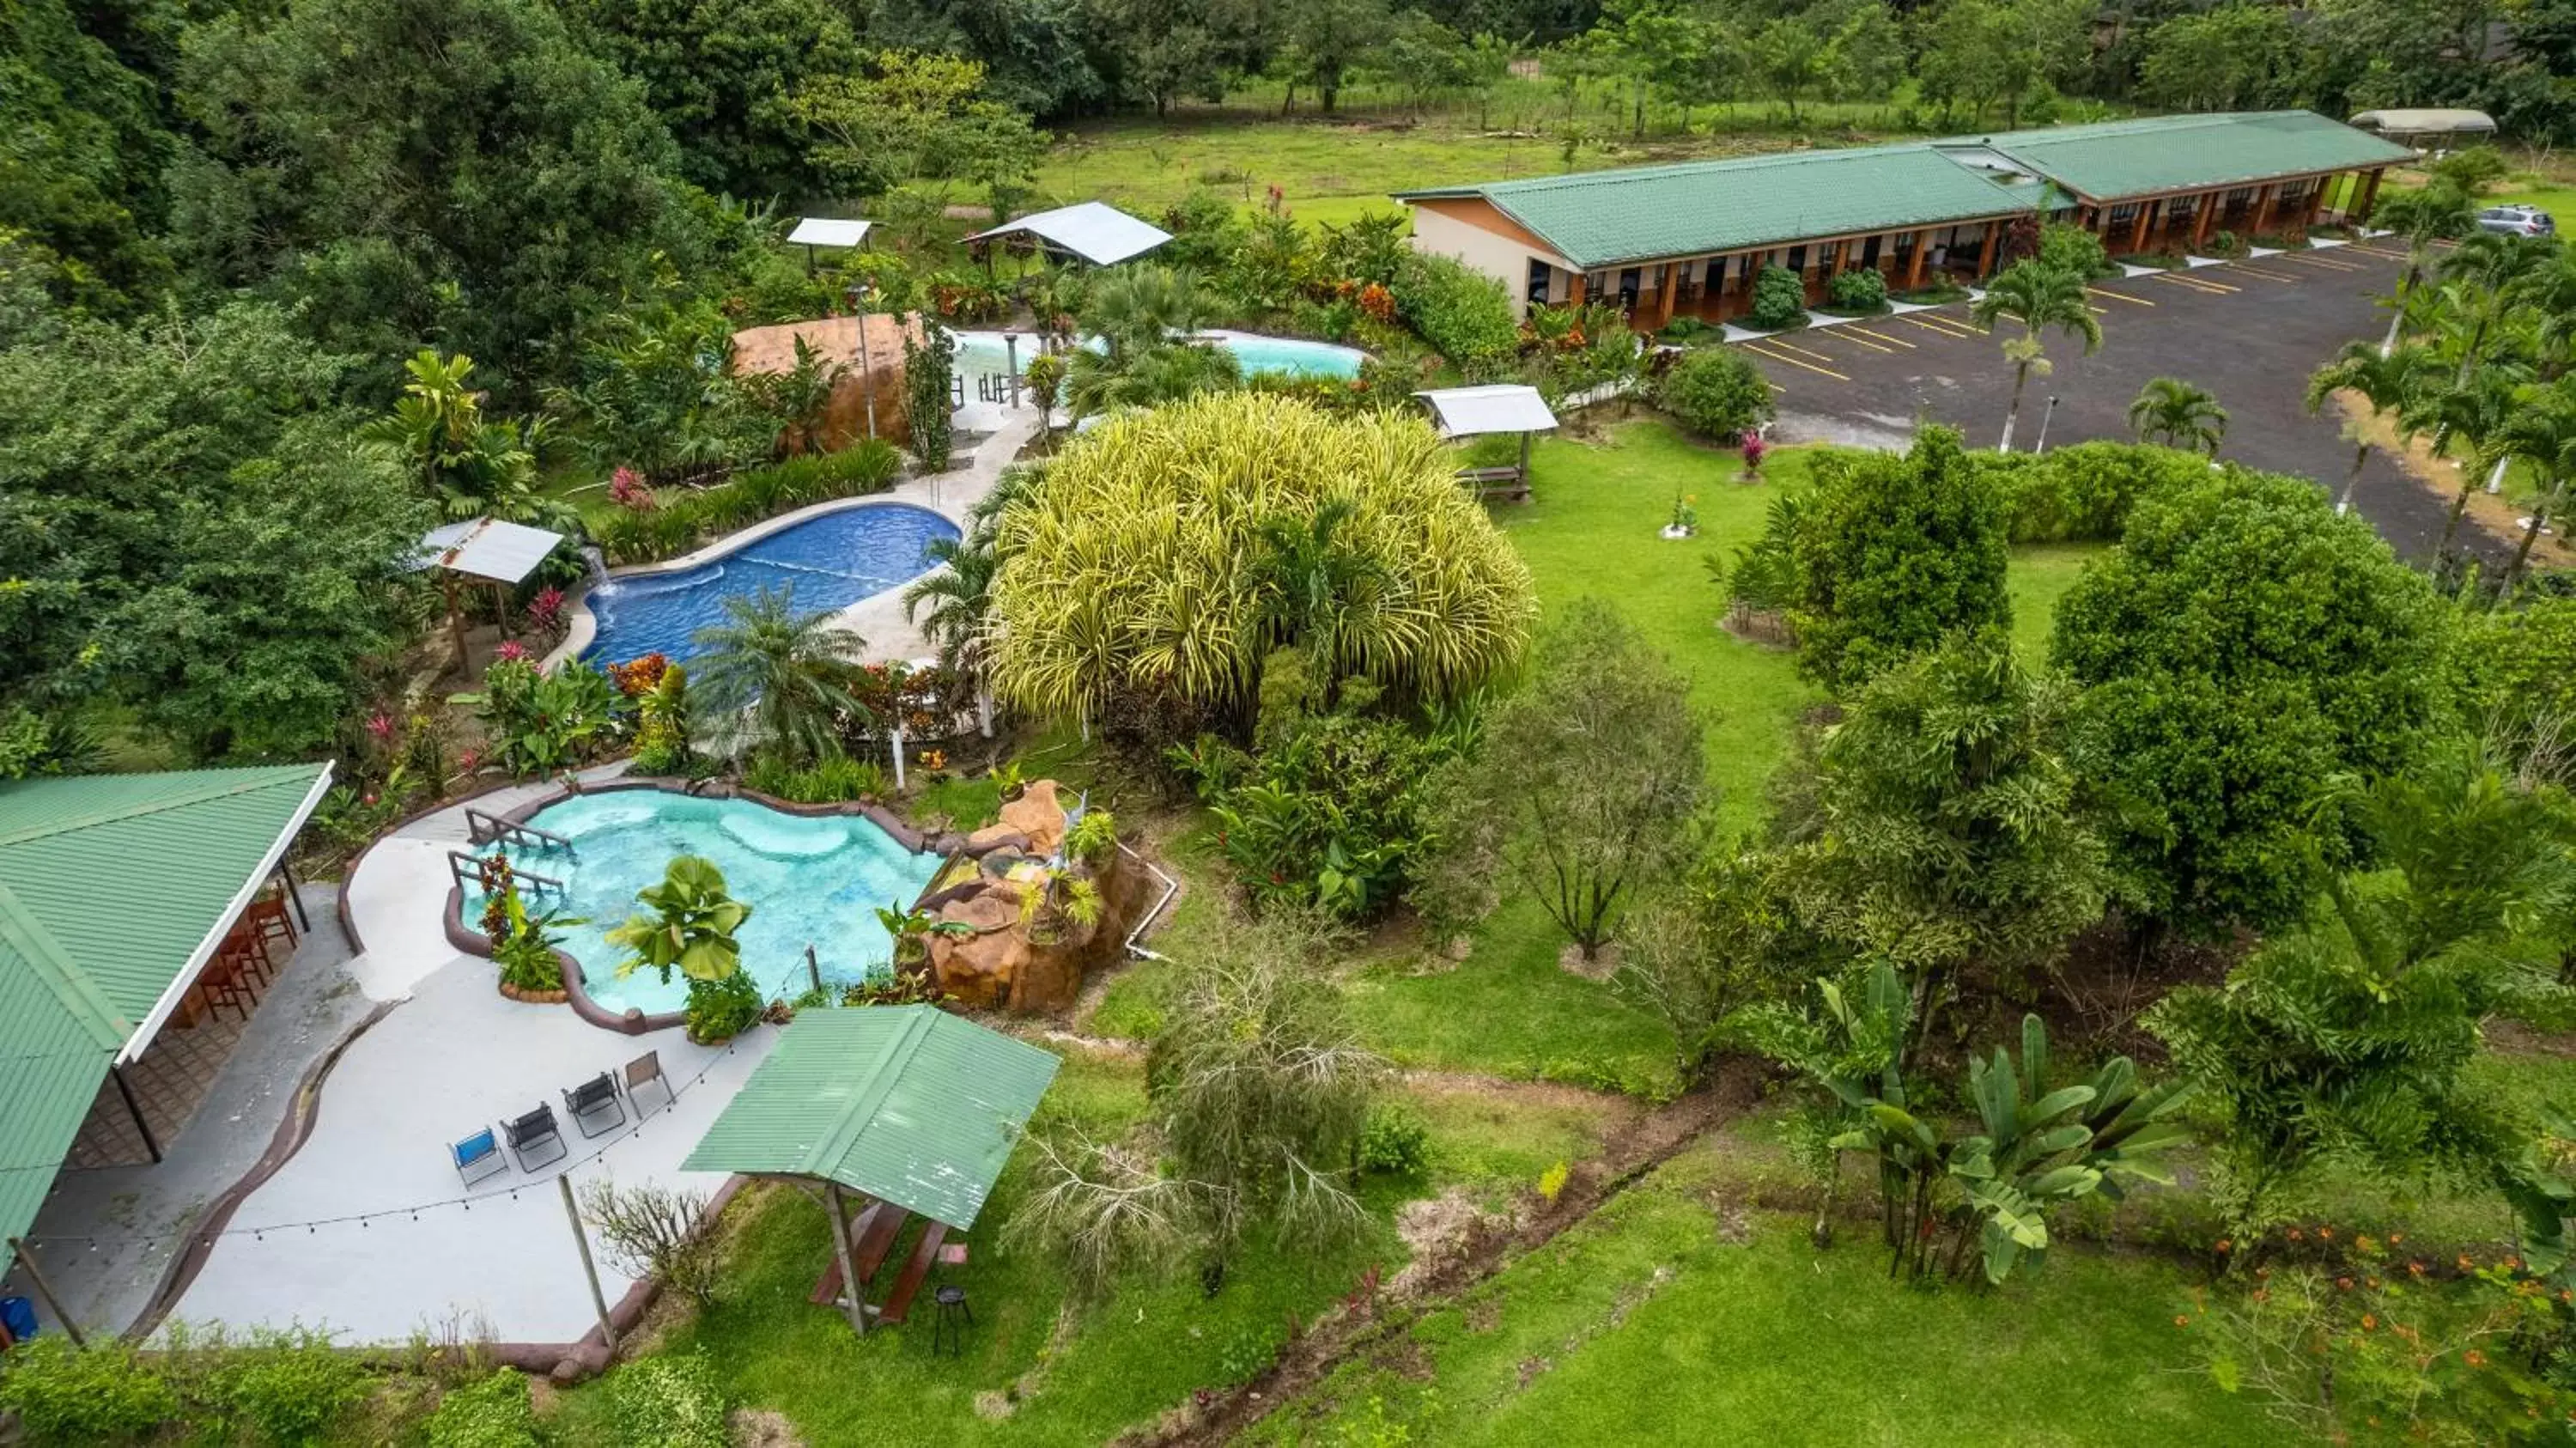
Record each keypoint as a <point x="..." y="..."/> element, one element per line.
<point x="1478" y="1255"/>
<point x="2440" y="476"/>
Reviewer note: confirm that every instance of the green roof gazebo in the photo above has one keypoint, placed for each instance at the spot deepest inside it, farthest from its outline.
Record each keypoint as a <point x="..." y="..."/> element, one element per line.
<point x="911" y="1107"/>
<point x="115" y="890"/>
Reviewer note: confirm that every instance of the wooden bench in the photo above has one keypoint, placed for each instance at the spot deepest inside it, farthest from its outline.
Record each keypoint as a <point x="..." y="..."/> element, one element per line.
<point x="1507" y="483"/>
<point x="916" y="1269"/>
<point x="872" y="1236"/>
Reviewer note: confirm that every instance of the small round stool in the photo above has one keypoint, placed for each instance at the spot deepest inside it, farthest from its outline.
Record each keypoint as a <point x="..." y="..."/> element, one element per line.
<point x="951" y="1301"/>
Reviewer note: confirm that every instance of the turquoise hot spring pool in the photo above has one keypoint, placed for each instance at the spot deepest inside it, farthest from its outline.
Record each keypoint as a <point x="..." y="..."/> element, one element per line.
<point x="809" y="881"/>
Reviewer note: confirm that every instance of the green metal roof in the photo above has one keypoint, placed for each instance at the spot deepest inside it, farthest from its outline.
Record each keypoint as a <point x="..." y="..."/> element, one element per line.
<point x="1604" y="218"/>
<point x="2114" y="159"/>
<point x="112" y="887"/>
<point x="908" y="1104"/>
<point x="1608" y="218"/>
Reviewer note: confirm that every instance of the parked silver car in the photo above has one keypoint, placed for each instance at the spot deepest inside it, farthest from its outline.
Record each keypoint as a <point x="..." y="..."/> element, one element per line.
<point x="2518" y="220"/>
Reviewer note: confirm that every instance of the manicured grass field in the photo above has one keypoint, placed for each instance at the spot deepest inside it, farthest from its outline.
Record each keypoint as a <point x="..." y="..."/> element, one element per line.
<point x="1675" y="1316"/>
<point x="1331" y="169"/>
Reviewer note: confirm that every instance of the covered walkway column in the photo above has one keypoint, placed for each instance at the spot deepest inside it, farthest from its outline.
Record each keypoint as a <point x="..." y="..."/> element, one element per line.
<point x="1986" y="249"/>
<point x="1914" y="265"/>
<point x="1670" y="289"/>
<point x="2369" y="197"/>
<point x="2200" y="216"/>
<point x="2263" y="203"/>
<point x="2138" y="225"/>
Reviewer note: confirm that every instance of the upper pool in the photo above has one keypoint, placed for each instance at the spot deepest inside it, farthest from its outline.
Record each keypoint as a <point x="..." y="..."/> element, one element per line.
<point x="984" y="354"/>
<point x="831" y="560"/>
<point x="809" y="881"/>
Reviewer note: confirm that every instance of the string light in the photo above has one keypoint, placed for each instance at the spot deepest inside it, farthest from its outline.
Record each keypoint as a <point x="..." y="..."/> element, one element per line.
<point x="634" y="1129"/>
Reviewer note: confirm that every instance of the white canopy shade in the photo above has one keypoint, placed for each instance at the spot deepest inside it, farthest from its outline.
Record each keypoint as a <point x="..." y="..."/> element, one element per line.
<point x="2426" y="122"/>
<point x="828" y="231"/>
<point x="1095" y="231"/>
<point x="1501" y="407"/>
<point x="487" y="548"/>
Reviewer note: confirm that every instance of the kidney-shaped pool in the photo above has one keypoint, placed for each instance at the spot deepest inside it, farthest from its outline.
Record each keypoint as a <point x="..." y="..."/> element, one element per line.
<point x="809" y="881"/>
<point x="831" y="560"/>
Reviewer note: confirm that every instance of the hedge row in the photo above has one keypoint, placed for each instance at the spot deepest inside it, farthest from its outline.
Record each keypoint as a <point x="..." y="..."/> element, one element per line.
<point x="683" y="519"/>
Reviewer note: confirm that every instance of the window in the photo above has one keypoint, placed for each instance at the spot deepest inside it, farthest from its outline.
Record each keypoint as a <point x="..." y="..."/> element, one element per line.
<point x="1539" y="274"/>
<point x="1797" y="259"/>
<point x="1629" y="282"/>
<point x="1869" y="251"/>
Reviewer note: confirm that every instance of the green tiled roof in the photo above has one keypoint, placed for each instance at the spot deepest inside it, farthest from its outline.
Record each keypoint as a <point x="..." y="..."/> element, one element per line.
<point x="2173" y="153"/>
<point x="110" y="887"/>
<point x="1603" y="218"/>
<point x="1607" y="218"/>
<point x="908" y="1104"/>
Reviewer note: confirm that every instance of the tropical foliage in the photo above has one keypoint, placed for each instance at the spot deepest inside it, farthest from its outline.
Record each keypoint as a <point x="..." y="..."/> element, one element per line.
<point x="772" y="678"/>
<point x="688" y="925"/>
<point x="2178" y="414"/>
<point x="2041" y="298"/>
<point x="1135" y="570"/>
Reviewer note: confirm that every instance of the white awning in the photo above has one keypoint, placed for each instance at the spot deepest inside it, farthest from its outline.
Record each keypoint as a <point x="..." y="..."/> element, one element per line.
<point x="827" y="231"/>
<point x="1095" y="231"/>
<point x="2428" y="122"/>
<point x="487" y="548"/>
<point x="1500" y="407"/>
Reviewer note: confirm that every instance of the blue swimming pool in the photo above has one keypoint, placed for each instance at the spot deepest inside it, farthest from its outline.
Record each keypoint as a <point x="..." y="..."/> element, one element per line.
<point x="1295" y="356"/>
<point x="831" y="561"/>
<point x="811" y="882"/>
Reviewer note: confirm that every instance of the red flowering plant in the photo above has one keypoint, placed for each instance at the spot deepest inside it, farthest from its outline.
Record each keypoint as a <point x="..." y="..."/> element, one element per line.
<point x="639" y="676"/>
<point x="628" y="490"/>
<point x="545" y="611"/>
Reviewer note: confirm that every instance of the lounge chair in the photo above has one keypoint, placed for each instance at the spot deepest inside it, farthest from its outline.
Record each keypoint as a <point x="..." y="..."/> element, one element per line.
<point x="592" y="1098"/>
<point x="534" y="1130"/>
<point x="648" y="1067"/>
<point x="477" y="1156"/>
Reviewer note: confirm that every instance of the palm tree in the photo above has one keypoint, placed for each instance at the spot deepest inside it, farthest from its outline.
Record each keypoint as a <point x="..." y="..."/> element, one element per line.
<point x="788" y="676"/>
<point x="2180" y="414"/>
<point x="2389" y="382"/>
<point x="2038" y="297"/>
<point x="1310" y="581"/>
<point x="2438" y="212"/>
<point x="2542" y="432"/>
<point x="2482" y="282"/>
<point x="960" y="595"/>
<point x="2475" y="414"/>
<point x="1144" y="306"/>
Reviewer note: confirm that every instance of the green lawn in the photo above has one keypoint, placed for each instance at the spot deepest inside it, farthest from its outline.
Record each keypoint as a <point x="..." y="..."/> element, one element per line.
<point x="1674" y="1316"/>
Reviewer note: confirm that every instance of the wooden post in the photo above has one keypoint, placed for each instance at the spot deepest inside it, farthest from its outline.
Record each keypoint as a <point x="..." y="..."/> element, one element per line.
<point x="2263" y="201"/>
<point x="2316" y="199"/>
<point x="45" y="1292"/>
<point x="134" y="1109"/>
<point x="589" y="1269"/>
<point x="455" y="619"/>
<point x="855" y="1301"/>
<point x="2369" y="196"/>
<point x="2138" y="225"/>
<point x="1986" y="250"/>
<point x="1914" y="267"/>
<point x="1525" y="452"/>
<point x="1574" y="289"/>
<point x="2200" y="217"/>
<point x="1671" y="289"/>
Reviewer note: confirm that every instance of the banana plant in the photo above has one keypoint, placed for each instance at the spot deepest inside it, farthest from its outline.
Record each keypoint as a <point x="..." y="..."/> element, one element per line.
<point x="691" y="927"/>
<point x="2040" y="1150"/>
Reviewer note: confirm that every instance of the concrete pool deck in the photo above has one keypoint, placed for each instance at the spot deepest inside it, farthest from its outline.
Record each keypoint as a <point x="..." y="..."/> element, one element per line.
<point x="366" y="1230"/>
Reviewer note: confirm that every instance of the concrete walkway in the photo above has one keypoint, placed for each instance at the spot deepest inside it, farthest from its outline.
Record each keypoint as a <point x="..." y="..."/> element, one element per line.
<point x="368" y="1230"/>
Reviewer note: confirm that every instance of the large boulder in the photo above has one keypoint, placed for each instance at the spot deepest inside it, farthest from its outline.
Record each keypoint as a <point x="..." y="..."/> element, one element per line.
<point x="978" y="969"/>
<point x="1038" y="815"/>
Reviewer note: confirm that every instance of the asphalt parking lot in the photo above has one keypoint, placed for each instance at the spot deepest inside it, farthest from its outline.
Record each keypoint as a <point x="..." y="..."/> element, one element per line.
<point x="2249" y="331"/>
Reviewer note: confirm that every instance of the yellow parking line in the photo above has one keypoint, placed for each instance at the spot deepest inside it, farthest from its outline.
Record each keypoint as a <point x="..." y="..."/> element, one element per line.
<point x="1881" y="336"/>
<point x="2120" y="297"/>
<point x="2306" y="260"/>
<point x="2267" y="276"/>
<point x="1774" y="386"/>
<point x="1756" y="347"/>
<point x="1942" y="325"/>
<point x="1873" y="346"/>
<point x="1793" y="347"/>
<point x="2210" y="289"/>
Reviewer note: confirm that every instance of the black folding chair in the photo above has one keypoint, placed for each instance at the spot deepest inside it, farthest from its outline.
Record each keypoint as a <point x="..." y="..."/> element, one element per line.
<point x="594" y="1098"/>
<point x="534" y="1130"/>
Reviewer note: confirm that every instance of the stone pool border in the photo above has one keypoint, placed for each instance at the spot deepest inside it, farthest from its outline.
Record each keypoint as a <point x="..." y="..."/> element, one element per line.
<point x="582" y="626"/>
<point x="632" y="1021"/>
